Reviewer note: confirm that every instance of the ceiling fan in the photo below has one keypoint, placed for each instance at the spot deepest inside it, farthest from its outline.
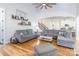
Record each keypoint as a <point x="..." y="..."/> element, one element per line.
<point x="44" y="5"/>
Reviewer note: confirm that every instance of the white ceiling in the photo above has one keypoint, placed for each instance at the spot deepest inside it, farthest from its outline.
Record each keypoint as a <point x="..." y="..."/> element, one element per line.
<point x="70" y="8"/>
<point x="28" y="7"/>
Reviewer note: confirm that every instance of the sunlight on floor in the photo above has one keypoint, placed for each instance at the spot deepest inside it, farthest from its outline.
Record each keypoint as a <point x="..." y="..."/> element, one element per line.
<point x="38" y="42"/>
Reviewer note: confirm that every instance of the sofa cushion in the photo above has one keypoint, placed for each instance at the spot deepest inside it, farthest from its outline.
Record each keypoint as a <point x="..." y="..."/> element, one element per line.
<point x="25" y="32"/>
<point x="50" y="32"/>
<point x="66" y="34"/>
<point x="61" y="33"/>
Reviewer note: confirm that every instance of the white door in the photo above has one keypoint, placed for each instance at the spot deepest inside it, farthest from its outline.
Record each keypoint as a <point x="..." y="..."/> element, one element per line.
<point x="2" y="25"/>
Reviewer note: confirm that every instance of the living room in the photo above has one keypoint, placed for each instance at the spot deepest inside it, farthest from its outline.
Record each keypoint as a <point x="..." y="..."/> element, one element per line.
<point x="45" y="22"/>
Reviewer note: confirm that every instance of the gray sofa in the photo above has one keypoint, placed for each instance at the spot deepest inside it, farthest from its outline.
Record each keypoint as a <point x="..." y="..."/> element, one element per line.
<point x="65" y="39"/>
<point x="53" y="33"/>
<point x="24" y="35"/>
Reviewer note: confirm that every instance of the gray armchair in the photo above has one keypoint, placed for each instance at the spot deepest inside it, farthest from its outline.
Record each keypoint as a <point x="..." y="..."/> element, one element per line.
<point x="65" y="39"/>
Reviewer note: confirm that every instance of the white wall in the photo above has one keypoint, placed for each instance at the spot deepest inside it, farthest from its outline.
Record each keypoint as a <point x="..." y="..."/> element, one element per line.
<point x="77" y="33"/>
<point x="77" y="37"/>
<point x="77" y="30"/>
<point x="57" y="23"/>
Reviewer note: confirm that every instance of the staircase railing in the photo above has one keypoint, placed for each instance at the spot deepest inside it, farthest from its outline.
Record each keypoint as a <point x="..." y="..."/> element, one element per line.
<point x="42" y="26"/>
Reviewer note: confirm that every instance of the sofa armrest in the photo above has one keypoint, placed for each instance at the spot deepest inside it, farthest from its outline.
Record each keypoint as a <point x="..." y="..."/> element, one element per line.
<point x="18" y="36"/>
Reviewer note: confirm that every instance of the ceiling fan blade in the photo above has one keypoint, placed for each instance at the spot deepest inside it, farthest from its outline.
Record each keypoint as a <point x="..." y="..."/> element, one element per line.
<point x="49" y="6"/>
<point x="51" y="3"/>
<point x="45" y="7"/>
<point x="38" y="6"/>
<point x="54" y="3"/>
<point x="36" y="3"/>
<point x="41" y="7"/>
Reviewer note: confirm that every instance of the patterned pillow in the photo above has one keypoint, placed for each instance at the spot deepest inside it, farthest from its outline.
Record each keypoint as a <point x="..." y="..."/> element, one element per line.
<point x="24" y="33"/>
<point x="67" y="34"/>
<point x="61" y="33"/>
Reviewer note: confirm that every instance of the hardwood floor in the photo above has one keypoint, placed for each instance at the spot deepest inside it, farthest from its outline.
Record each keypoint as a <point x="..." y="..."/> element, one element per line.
<point x="26" y="49"/>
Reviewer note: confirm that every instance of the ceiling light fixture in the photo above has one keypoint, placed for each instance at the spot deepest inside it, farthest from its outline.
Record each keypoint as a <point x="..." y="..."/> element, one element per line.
<point x="44" y="5"/>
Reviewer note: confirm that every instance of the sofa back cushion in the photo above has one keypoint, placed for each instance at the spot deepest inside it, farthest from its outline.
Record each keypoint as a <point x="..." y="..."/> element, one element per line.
<point x="51" y="32"/>
<point x="30" y="31"/>
<point x="66" y="34"/>
<point x="24" y="32"/>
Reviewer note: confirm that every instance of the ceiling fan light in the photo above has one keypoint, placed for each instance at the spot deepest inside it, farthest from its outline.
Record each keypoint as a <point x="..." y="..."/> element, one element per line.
<point x="43" y="4"/>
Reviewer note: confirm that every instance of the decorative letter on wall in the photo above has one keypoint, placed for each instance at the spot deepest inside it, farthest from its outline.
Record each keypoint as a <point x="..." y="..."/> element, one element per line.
<point x="20" y="15"/>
